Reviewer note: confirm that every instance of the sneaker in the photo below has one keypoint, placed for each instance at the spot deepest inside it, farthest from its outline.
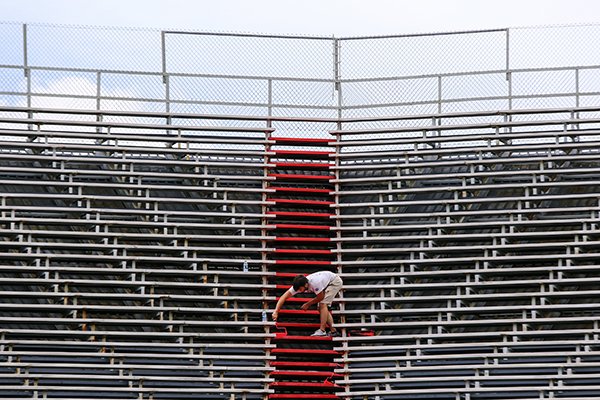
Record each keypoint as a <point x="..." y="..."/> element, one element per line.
<point x="319" y="332"/>
<point x="334" y="334"/>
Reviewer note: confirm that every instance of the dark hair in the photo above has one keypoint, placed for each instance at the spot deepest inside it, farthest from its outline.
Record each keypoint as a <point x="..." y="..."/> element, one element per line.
<point x="299" y="281"/>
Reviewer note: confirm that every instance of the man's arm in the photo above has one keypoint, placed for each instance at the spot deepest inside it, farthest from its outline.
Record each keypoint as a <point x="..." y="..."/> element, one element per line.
<point x="282" y="300"/>
<point x="317" y="299"/>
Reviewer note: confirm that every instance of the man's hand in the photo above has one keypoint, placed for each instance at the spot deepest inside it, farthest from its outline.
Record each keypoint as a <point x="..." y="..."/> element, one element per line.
<point x="305" y="306"/>
<point x="275" y="315"/>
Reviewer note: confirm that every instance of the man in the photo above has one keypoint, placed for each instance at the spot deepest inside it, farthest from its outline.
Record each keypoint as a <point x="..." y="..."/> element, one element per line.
<point x="325" y="285"/>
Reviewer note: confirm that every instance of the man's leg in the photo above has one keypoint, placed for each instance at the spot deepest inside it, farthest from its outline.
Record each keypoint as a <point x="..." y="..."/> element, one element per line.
<point x="330" y="321"/>
<point x="325" y="316"/>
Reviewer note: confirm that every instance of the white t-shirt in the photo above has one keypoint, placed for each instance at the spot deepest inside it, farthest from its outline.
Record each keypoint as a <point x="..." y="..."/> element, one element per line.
<point x="317" y="282"/>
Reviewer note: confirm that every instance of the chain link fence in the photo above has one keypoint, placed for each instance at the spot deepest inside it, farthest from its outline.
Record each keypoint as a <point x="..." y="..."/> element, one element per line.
<point x="155" y="70"/>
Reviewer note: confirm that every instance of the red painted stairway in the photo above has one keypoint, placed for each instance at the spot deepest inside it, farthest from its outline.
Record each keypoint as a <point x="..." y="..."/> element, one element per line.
<point x="304" y="366"/>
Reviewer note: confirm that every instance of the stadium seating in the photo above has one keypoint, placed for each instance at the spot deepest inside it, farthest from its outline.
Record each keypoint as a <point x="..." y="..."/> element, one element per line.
<point x="142" y="260"/>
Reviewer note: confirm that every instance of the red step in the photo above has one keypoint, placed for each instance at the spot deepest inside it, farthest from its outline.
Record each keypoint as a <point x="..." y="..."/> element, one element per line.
<point x="300" y="176"/>
<point x="297" y="325"/>
<point x="301" y="165"/>
<point x="284" y="336"/>
<point x="295" y="299"/>
<point x="302" y="239"/>
<point x="302" y="262"/>
<point x="300" y="214"/>
<point x="323" y="385"/>
<point x="300" y="189"/>
<point x="297" y="312"/>
<point x="306" y="351"/>
<point x="287" y="274"/>
<point x="366" y="332"/>
<point x="304" y="364"/>
<point x="302" y="396"/>
<point x="304" y="227"/>
<point x="303" y="152"/>
<point x="301" y="201"/>
<point x="317" y="374"/>
<point x="282" y="287"/>
<point x="301" y="140"/>
<point x="302" y="251"/>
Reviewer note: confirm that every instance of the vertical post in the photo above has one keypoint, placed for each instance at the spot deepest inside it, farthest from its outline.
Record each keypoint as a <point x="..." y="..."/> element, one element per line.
<point x="507" y="50"/>
<point x="26" y="71"/>
<point x="336" y="75"/>
<point x="163" y="50"/>
<point x="336" y="62"/>
<point x="98" y="89"/>
<point x="576" y="87"/>
<point x="439" y="94"/>
<point x="169" y="119"/>
<point x="508" y="71"/>
<point x="98" y="102"/>
<point x="509" y="79"/>
<point x="269" y="102"/>
<point x="167" y="83"/>
<point x="25" y="61"/>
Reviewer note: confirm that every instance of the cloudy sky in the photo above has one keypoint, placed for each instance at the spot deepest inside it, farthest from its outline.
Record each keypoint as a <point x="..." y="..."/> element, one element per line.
<point x="312" y="17"/>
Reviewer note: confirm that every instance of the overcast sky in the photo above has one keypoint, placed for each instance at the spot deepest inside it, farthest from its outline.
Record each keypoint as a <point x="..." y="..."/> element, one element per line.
<point x="311" y="17"/>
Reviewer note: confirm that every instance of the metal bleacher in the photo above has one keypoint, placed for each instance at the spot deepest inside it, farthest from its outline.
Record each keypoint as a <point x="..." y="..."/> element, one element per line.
<point x="471" y="257"/>
<point x="132" y="262"/>
<point x="470" y="265"/>
<point x="142" y="252"/>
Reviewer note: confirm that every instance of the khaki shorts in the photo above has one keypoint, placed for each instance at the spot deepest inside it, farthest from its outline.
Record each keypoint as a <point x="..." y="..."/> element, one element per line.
<point x="331" y="290"/>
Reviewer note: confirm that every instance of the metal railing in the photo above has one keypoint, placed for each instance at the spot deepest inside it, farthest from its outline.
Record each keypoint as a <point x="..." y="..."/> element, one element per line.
<point x="95" y="68"/>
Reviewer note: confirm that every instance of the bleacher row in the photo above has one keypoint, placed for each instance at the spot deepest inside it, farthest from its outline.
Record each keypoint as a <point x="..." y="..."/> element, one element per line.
<point x="138" y="259"/>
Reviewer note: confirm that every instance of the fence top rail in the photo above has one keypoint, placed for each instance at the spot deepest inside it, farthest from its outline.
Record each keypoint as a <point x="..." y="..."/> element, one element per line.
<point x="175" y="115"/>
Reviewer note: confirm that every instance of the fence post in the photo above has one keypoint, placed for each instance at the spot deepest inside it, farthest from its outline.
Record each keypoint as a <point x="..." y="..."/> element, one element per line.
<point x="27" y="75"/>
<point x="576" y="87"/>
<point x="507" y="51"/>
<point x="439" y="85"/>
<point x="25" y="61"/>
<point x="336" y="74"/>
<point x="163" y="55"/>
<point x="270" y="101"/>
